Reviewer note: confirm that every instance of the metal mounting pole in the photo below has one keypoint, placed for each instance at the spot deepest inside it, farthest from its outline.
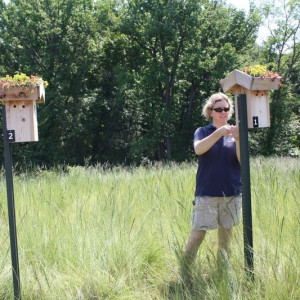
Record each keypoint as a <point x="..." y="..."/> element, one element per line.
<point x="246" y="185"/>
<point x="11" y="210"/>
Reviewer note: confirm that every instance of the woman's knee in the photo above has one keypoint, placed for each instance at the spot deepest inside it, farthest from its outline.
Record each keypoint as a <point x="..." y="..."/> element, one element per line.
<point x="198" y="235"/>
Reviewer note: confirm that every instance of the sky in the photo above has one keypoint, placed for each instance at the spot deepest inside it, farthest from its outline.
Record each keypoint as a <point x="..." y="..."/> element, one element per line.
<point x="263" y="31"/>
<point x="244" y="4"/>
<point x="240" y="4"/>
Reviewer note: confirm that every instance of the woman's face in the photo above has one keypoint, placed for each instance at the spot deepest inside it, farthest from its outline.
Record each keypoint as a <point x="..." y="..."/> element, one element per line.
<point x="220" y="118"/>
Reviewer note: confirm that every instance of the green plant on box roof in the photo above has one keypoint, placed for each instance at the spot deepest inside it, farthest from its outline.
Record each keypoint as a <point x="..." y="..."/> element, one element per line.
<point x="21" y="80"/>
<point x="262" y="72"/>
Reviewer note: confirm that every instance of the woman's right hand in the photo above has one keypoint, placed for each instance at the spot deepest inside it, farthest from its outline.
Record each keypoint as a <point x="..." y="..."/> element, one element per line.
<point x="225" y="130"/>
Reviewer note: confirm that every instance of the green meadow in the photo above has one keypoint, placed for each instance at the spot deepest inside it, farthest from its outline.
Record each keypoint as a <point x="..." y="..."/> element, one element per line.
<point x="117" y="233"/>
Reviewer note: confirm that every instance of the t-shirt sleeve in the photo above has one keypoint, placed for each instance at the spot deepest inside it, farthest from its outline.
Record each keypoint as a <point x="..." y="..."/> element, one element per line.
<point x="199" y="134"/>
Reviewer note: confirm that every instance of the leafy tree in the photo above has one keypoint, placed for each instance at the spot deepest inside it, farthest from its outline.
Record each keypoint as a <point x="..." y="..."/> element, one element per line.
<point x="60" y="41"/>
<point x="128" y="78"/>
<point x="182" y="49"/>
<point x="282" y="53"/>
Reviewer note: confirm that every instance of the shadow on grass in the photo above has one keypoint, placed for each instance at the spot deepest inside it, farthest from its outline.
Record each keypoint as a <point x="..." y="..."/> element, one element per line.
<point x="178" y="290"/>
<point x="216" y="283"/>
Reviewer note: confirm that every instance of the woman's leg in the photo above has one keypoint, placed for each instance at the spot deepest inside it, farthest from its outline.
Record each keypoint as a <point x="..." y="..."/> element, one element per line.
<point x="224" y="238"/>
<point x="191" y="249"/>
<point x="193" y="244"/>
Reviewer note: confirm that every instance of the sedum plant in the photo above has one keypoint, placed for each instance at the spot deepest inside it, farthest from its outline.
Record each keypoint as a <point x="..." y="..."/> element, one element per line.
<point x="262" y="72"/>
<point x="21" y="80"/>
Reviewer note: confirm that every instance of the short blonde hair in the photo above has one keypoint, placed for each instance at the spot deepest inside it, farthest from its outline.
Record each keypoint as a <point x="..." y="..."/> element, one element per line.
<point x="211" y="101"/>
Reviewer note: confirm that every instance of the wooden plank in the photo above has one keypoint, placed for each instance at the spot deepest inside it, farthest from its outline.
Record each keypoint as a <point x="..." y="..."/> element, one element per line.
<point x="237" y="78"/>
<point x="243" y="79"/>
<point x="257" y="106"/>
<point x="21" y="116"/>
<point x="17" y="93"/>
<point x="265" y="84"/>
<point x="228" y="82"/>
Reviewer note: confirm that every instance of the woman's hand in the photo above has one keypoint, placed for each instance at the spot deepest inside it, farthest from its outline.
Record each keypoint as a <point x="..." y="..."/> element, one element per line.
<point x="225" y="130"/>
<point x="234" y="131"/>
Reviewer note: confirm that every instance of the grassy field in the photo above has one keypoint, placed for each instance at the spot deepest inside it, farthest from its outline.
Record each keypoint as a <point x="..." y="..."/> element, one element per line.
<point x="98" y="233"/>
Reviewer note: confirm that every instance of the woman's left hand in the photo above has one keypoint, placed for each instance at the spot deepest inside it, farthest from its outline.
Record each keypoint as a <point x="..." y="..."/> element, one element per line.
<point x="235" y="132"/>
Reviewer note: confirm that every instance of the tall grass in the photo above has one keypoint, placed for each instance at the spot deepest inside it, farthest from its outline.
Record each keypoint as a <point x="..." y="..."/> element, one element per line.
<point x="98" y="233"/>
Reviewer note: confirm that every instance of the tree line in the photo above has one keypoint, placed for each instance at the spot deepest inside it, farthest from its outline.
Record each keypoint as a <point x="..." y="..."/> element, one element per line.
<point x="127" y="79"/>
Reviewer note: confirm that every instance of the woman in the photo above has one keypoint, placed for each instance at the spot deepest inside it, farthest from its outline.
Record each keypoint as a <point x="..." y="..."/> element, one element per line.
<point x="217" y="203"/>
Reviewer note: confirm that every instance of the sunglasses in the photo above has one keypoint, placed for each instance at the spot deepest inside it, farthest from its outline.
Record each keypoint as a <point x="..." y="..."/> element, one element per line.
<point x="220" y="109"/>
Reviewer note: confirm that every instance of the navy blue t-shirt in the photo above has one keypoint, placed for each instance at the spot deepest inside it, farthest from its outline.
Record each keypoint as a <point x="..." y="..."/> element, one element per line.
<point x="218" y="173"/>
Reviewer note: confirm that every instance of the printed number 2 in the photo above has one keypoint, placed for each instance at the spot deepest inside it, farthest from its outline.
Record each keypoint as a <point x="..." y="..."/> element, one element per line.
<point x="11" y="135"/>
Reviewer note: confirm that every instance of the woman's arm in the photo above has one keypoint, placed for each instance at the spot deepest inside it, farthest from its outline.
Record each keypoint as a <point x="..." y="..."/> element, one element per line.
<point x="202" y="146"/>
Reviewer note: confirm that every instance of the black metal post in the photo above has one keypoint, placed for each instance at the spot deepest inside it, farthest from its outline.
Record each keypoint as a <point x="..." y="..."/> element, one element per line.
<point x="246" y="185"/>
<point x="11" y="210"/>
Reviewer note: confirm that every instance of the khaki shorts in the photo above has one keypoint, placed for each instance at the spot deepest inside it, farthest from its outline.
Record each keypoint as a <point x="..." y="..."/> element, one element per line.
<point x="211" y="212"/>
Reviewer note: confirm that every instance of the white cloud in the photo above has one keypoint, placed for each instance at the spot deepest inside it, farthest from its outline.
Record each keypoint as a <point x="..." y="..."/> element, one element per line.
<point x="240" y="4"/>
<point x="263" y="31"/>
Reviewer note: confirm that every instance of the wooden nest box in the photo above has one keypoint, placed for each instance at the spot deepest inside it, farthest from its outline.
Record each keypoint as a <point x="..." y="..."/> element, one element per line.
<point x="21" y="113"/>
<point x="257" y="93"/>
